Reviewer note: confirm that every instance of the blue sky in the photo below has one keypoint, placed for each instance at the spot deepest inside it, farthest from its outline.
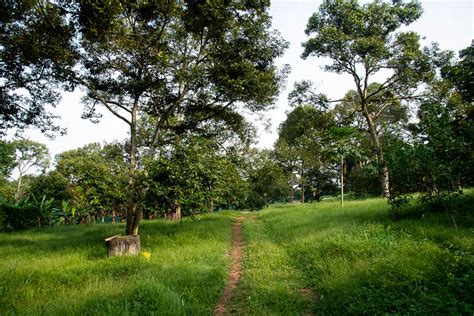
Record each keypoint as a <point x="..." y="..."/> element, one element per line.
<point x="449" y="23"/>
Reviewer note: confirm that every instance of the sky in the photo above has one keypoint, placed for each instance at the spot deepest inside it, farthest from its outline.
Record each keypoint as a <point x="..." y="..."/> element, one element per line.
<point x="450" y="23"/>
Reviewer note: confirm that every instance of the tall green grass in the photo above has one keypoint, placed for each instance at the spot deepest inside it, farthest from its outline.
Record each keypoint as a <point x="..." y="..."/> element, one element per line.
<point x="355" y="260"/>
<point x="300" y="259"/>
<point x="65" y="271"/>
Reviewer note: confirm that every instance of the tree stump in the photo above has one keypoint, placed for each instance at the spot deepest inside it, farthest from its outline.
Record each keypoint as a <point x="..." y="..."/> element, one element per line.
<point x="123" y="245"/>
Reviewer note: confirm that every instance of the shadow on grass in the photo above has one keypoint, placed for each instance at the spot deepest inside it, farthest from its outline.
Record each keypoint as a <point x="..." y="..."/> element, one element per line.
<point x="89" y="239"/>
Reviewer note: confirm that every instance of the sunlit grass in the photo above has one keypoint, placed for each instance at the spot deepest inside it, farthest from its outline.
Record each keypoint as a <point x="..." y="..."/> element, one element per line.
<point x="64" y="270"/>
<point x="355" y="260"/>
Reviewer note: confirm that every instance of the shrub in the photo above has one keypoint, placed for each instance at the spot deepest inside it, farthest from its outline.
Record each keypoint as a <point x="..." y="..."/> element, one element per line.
<point x="18" y="217"/>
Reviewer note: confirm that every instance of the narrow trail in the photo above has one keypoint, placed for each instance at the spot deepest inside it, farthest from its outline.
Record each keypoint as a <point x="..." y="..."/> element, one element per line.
<point x="235" y="270"/>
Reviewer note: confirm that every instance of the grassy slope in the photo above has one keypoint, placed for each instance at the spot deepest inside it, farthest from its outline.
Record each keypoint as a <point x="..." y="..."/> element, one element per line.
<point x="65" y="270"/>
<point x="319" y="258"/>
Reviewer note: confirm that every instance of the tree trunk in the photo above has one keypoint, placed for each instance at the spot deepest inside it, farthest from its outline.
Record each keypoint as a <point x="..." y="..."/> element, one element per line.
<point x="292" y="187"/>
<point x="302" y="182"/>
<point x="133" y="214"/>
<point x="122" y="245"/>
<point x="377" y="149"/>
<point x="178" y="212"/>
<point x="18" y="187"/>
<point x="342" y="181"/>
<point x="385" y="180"/>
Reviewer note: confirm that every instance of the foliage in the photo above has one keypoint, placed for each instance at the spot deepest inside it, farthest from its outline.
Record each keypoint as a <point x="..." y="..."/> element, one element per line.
<point x="268" y="182"/>
<point x="7" y="159"/>
<point x="95" y="175"/>
<point x="181" y="64"/>
<point x="185" y="176"/>
<point x="298" y="148"/>
<point x="436" y="159"/>
<point x="18" y="217"/>
<point x="52" y="184"/>
<point x="28" y="154"/>
<point x="362" y="40"/>
<point x="397" y="203"/>
<point x="319" y="182"/>
<point x="363" y="179"/>
<point x="460" y="74"/>
<point x="232" y="187"/>
<point x="34" y="45"/>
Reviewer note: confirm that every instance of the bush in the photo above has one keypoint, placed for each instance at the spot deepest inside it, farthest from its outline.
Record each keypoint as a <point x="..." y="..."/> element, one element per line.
<point x="255" y="201"/>
<point x="364" y="181"/>
<point x="397" y="203"/>
<point x="18" y="217"/>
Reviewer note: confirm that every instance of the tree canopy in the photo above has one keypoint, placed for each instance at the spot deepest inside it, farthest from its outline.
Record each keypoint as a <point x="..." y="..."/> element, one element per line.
<point x="363" y="40"/>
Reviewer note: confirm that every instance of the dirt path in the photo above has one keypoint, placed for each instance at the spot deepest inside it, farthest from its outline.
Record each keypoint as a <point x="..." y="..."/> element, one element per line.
<point x="235" y="270"/>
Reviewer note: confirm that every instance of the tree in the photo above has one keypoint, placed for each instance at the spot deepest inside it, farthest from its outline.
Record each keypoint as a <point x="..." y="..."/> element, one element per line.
<point x="52" y="185"/>
<point x="29" y="154"/>
<point x="298" y="139"/>
<point x="341" y="143"/>
<point x="34" y="45"/>
<point x="267" y="180"/>
<point x="436" y="158"/>
<point x="96" y="176"/>
<point x="362" y="41"/>
<point x="461" y="74"/>
<point x="179" y="63"/>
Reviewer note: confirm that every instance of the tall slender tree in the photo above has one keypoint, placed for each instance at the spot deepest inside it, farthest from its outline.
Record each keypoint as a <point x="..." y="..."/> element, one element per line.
<point x="364" y="40"/>
<point x="29" y="154"/>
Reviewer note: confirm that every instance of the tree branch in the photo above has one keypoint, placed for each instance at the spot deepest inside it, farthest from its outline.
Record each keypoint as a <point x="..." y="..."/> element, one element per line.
<point x="99" y="98"/>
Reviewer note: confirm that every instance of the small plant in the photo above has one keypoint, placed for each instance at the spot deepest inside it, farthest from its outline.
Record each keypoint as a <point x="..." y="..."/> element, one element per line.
<point x="397" y="203"/>
<point x="441" y="201"/>
<point x="44" y="207"/>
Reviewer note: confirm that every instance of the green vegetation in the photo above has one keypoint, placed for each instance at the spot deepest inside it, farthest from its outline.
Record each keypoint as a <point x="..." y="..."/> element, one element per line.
<point x="65" y="270"/>
<point x="301" y="258"/>
<point x="183" y="76"/>
<point x="323" y="259"/>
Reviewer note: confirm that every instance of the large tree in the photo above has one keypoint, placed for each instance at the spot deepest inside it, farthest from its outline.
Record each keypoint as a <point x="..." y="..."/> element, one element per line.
<point x="34" y="46"/>
<point x="179" y="63"/>
<point x="364" y="40"/>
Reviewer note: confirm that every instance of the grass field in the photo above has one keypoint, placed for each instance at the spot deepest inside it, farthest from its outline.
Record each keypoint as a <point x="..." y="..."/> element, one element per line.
<point x="64" y="270"/>
<point x="323" y="259"/>
<point x="299" y="259"/>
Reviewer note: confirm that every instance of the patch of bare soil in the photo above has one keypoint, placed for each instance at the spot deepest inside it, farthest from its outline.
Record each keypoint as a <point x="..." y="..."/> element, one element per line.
<point x="309" y="295"/>
<point x="224" y="306"/>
